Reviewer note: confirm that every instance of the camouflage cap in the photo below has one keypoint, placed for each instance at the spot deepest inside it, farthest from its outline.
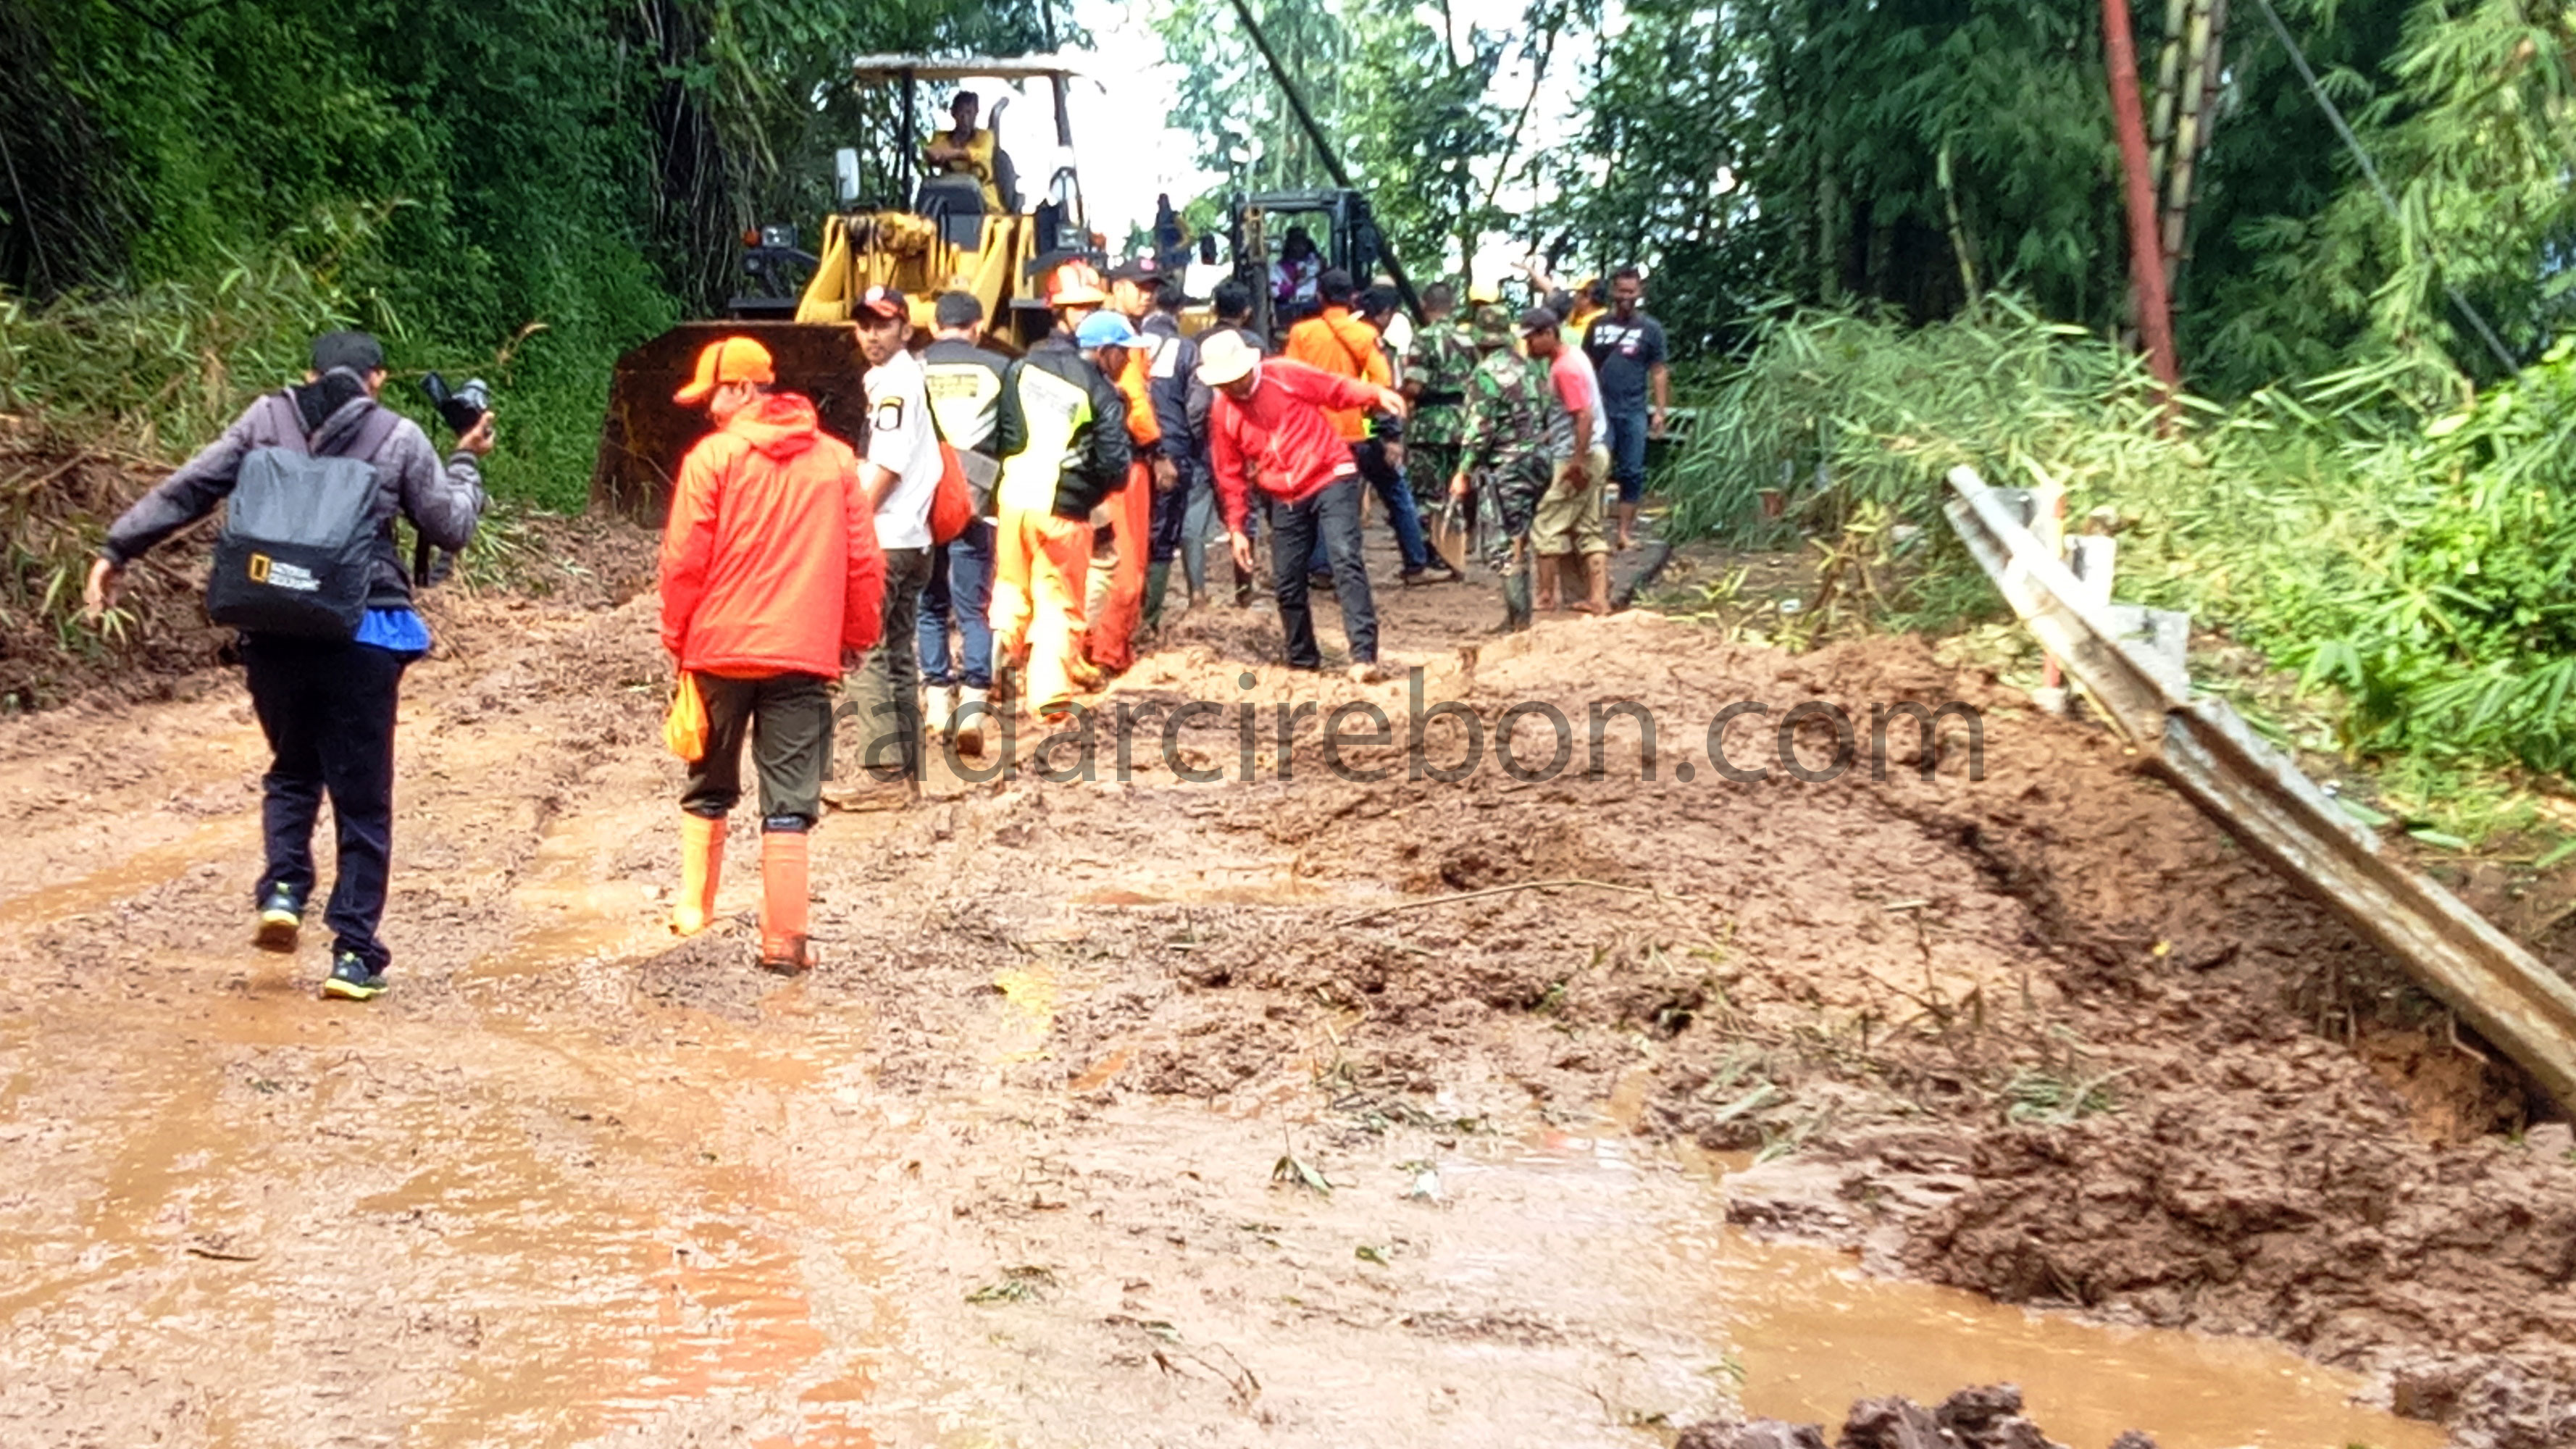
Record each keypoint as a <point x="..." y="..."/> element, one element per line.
<point x="1493" y="327"/>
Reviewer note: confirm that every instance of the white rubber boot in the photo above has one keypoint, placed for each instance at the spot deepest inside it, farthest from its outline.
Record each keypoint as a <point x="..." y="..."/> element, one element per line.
<point x="938" y="702"/>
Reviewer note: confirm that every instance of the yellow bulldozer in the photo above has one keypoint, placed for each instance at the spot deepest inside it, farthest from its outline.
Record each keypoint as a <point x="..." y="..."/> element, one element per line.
<point x="935" y="233"/>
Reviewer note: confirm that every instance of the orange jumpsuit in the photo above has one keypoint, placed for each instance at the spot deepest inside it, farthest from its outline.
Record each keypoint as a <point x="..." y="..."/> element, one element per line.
<point x="1112" y="644"/>
<point x="1062" y="428"/>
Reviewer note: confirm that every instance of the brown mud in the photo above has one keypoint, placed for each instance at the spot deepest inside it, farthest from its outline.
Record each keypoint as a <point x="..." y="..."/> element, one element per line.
<point x="1315" y="1110"/>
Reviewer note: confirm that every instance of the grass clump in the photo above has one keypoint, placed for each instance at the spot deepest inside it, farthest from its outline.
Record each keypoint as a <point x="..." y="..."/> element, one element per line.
<point x="2405" y="556"/>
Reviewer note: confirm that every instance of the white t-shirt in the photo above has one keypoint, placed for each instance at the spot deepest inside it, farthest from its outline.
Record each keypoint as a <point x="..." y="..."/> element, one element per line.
<point x="1398" y="337"/>
<point x="900" y="441"/>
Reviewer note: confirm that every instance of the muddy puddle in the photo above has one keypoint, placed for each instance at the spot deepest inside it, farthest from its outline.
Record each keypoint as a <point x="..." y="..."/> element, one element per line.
<point x="1812" y="1335"/>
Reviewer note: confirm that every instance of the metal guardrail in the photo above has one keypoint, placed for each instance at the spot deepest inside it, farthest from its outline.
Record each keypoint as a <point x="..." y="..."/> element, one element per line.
<point x="2263" y="799"/>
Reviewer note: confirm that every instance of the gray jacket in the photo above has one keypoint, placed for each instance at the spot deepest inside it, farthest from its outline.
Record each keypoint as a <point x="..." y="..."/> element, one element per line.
<point x="443" y="503"/>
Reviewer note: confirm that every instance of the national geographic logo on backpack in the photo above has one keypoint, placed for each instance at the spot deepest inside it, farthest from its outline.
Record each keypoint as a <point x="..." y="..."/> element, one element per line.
<point x="265" y="570"/>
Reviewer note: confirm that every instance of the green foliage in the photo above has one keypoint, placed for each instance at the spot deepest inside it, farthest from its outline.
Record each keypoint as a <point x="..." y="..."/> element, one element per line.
<point x="518" y="190"/>
<point x="1405" y="95"/>
<point x="2417" y="566"/>
<point x="2473" y="129"/>
<point x="2462" y="640"/>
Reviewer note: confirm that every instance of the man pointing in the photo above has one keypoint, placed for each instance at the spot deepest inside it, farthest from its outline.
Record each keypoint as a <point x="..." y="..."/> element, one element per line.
<point x="1272" y="419"/>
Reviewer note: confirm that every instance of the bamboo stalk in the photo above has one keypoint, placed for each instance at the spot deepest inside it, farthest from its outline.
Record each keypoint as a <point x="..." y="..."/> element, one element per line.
<point x="1958" y="229"/>
<point x="2191" y="133"/>
<point x="2170" y="78"/>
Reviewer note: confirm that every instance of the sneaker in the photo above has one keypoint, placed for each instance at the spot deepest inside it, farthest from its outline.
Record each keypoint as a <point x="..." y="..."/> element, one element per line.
<point x="281" y="919"/>
<point x="1370" y="672"/>
<point x="1437" y="571"/>
<point x="352" y="979"/>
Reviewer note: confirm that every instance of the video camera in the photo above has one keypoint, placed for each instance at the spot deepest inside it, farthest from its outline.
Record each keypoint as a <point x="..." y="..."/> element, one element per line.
<point x="460" y="408"/>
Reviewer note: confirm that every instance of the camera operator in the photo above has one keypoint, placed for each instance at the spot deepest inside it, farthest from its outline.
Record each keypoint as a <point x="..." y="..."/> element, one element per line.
<point x="325" y="703"/>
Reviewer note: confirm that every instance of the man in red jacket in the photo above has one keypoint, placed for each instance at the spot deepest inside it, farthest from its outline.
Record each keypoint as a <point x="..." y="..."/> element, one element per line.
<point x="1271" y="420"/>
<point x="772" y="585"/>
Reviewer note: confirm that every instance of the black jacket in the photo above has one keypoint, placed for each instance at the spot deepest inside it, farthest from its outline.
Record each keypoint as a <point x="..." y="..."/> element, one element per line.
<point x="1055" y="399"/>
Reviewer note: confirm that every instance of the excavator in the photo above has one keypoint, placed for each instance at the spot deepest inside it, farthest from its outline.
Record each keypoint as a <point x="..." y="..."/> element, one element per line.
<point x="922" y="233"/>
<point x="930" y="233"/>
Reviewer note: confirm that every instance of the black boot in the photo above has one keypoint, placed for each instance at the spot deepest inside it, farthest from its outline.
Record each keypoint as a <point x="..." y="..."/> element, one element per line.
<point x="1158" y="584"/>
<point x="1516" y="601"/>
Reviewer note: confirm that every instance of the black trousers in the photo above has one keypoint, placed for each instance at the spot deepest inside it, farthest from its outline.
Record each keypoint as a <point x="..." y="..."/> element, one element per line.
<point x="1333" y="518"/>
<point x="788" y="720"/>
<point x="327" y="707"/>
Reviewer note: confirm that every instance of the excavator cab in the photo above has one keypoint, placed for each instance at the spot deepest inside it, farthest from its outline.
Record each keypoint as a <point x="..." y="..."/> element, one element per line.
<point x="899" y="224"/>
<point x="1259" y="233"/>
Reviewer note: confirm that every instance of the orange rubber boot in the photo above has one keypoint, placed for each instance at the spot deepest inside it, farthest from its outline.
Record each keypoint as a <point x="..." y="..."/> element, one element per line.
<point x="701" y="863"/>
<point x="783" y="945"/>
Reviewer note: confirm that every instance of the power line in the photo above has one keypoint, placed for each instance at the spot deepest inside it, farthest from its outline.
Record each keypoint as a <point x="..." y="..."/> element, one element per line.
<point x="2370" y="170"/>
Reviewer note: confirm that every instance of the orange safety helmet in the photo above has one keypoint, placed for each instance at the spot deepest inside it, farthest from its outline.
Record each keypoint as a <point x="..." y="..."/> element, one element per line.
<point x="1075" y="284"/>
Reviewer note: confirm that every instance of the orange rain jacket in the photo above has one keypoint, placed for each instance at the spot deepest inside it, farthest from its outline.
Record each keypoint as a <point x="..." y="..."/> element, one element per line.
<point x="769" y="560"/>
<point x="1337" y="342"/>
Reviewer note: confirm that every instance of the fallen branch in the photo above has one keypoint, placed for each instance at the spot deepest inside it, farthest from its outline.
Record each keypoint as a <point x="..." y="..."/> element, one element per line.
<point x="1527" y="885"/>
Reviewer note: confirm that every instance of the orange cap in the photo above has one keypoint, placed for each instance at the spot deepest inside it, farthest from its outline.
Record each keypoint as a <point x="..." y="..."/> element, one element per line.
<point x="1075" y="284"/>
<point x="728" y="359"/>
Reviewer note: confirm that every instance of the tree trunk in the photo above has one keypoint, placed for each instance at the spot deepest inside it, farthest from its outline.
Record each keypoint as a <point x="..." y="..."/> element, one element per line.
<point x="2146" y="259"/>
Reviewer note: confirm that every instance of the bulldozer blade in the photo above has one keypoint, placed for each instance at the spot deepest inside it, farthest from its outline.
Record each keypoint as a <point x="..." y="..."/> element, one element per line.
<point x="645" y="433"/>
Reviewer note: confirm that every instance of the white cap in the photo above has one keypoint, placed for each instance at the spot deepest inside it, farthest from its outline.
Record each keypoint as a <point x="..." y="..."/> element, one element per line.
<point x="1225" y="357"/>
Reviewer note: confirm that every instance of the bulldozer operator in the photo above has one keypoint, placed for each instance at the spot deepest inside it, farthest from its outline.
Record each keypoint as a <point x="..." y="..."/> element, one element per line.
<point x="966" y="149"/>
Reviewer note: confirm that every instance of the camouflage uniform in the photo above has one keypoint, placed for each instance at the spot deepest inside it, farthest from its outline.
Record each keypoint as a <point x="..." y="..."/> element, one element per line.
<point x="1505" y="450"/>
<point x="1441" y="358"/>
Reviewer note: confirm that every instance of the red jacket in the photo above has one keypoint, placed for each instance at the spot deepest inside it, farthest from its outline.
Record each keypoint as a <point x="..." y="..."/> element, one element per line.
<point x="769" y="560"/>
<point x="1284" y="434"/>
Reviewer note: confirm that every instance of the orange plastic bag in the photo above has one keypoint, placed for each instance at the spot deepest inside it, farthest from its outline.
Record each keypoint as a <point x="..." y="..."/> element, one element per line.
<point x="684" y="729"/>
<point x="952" y="504"/>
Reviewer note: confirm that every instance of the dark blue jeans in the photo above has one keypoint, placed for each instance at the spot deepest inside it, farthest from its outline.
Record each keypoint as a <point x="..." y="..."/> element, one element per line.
<point x="1628" y="452"/>
<point x="960" y="591"/>
<point x="1402" y="514"/>
<point x="327" y="707"/>
<point x="1329" y="520"/>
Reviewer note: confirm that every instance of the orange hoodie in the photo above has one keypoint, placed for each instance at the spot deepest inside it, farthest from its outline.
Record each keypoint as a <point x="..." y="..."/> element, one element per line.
<point x="769" y="560"/>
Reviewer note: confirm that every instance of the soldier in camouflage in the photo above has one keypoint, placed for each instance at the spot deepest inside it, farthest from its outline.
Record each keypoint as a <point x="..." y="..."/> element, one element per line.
<point x="1506" y="447"/>
<point x="1436" y="366"/>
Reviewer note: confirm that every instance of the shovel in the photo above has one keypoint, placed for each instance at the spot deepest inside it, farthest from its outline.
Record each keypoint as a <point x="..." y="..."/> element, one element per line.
<point x="1449" y="535"/>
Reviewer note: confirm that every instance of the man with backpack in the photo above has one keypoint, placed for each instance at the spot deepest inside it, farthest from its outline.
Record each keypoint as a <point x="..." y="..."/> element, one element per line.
<point x="771" y="586"/>
<point x="307" y="568"/>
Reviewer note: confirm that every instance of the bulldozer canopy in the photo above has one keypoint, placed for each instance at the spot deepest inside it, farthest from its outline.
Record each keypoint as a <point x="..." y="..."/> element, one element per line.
<point x="948" y="68"/>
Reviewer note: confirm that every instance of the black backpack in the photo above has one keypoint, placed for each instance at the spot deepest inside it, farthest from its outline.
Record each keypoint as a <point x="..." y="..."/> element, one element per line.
<point x="295" y="555"/>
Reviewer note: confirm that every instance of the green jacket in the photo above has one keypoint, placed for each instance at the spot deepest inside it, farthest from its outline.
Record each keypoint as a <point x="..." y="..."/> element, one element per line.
<point x="1507" y="415"/>
<point x="1441" y="359"/>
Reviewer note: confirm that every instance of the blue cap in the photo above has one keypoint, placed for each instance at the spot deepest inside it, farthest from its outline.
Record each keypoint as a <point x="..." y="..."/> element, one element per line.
<point x="1104" y="329"/>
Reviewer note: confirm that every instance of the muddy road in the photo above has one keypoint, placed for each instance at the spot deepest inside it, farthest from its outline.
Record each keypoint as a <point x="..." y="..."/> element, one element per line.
<point x="1280" y="1111"/>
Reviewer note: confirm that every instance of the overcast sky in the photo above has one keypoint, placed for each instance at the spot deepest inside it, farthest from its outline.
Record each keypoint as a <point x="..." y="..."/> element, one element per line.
<point x="1130" y="151"/>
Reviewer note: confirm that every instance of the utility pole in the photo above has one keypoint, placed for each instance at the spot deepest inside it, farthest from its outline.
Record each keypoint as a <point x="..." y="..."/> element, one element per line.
<point x="2146" y="246"/>
<point x="1323" y="148"/>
